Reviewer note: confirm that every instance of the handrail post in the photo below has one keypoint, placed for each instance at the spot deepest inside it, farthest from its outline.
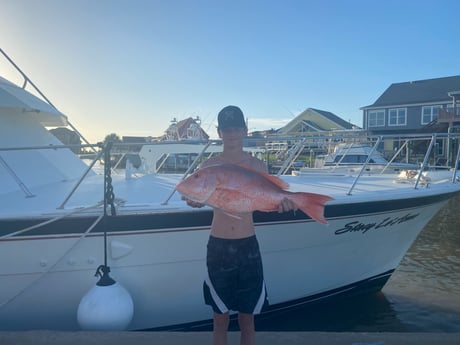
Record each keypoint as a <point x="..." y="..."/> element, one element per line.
<point x="190" y="168"/>
<point x="81" y="179"/>
<point x="425" y="160"/>
<point x="457" y="161"/>
<point x="395" y="155"/>
<point x="16" y="178"/>
<point x="369" y="156"/>
<point x="288" y="161"/>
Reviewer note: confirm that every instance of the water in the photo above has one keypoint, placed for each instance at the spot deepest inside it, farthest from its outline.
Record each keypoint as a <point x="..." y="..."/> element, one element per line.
<point x="423" y="295"/>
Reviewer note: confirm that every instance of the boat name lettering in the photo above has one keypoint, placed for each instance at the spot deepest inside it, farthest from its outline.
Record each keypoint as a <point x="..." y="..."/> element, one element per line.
<point x="357" y="226"/>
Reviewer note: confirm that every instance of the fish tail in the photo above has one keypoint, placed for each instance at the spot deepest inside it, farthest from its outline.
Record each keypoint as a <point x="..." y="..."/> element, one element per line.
<point x="312" y="204"/>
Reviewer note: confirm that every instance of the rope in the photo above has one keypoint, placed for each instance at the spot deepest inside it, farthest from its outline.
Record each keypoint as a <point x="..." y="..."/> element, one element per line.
<point x="49" y="221"/>
<point x="54" y="265"/>
<point x="109" y="198"/>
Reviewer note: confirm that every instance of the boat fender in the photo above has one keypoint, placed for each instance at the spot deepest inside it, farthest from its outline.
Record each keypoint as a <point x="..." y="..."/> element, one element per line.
<point x="108" y="306"/>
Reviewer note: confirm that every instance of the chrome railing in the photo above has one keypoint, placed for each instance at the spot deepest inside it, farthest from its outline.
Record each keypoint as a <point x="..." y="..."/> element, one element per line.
<point x="295" y="149"/>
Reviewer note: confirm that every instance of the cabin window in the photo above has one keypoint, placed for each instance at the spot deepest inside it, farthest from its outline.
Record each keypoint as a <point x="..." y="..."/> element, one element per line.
<point x="352" y="159"/>
<point x="397" y="117"/>
<point x="430" y="113"/>
<point x="376" y="118"/>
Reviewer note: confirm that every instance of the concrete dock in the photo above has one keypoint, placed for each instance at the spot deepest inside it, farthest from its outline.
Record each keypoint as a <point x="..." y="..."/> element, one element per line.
<point x="203" y="338"/>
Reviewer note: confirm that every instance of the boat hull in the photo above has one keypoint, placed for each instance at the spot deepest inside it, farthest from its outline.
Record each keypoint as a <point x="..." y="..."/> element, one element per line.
<point x="160" y="260"/>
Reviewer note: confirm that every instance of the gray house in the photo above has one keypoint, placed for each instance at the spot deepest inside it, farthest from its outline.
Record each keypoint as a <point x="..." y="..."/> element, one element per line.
<point x="411" y="107"/>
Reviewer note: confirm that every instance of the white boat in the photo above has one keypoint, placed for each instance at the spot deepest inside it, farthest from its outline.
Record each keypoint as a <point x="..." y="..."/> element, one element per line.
<point x="350" y="158"/>
<point x="155" y="155"/>
<point x="53" y="234"/>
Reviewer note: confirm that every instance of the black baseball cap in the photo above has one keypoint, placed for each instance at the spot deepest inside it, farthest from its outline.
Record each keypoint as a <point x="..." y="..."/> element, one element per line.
<point x="231" y="116"/>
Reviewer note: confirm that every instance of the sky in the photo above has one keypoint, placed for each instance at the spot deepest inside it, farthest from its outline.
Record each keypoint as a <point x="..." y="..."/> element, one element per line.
<point x="130" y="66"/>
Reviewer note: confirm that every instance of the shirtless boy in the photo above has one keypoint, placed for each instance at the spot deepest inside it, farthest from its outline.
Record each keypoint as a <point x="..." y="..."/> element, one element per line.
<point x="235" y="274"/>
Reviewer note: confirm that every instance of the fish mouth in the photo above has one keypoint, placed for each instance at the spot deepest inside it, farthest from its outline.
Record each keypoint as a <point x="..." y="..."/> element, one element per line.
<point x="192" y="198"/>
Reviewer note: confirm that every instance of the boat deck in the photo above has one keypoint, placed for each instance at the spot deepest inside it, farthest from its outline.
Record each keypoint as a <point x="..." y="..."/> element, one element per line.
<point x="155" y="192"/>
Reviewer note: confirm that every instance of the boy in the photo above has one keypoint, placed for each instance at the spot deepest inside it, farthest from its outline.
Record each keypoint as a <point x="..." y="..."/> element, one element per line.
<point x="235" y="274"/>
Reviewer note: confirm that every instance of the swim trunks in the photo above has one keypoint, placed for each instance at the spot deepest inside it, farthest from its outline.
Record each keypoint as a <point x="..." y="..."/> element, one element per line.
<point x="235" y="276"/>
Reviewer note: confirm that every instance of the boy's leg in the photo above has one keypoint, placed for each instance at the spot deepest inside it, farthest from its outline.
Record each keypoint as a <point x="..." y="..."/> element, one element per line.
<point x="246" y="322"/>
<point x="219" y="334"/>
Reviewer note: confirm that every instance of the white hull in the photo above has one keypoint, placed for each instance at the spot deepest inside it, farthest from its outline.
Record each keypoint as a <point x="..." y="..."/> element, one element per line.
<point x="43" y="278"/>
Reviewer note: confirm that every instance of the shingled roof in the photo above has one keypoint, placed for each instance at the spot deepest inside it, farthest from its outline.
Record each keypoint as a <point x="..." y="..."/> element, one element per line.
<point x="418" y="92"/>
<point x="314" y="120"/>
<point x="334" y="118"/>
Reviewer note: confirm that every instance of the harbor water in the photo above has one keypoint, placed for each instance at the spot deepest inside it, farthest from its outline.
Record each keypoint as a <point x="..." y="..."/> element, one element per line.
<point x="423" y="295"/>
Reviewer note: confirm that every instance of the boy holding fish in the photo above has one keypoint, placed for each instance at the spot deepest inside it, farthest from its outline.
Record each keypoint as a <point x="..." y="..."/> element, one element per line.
<point x="235" y="274"/>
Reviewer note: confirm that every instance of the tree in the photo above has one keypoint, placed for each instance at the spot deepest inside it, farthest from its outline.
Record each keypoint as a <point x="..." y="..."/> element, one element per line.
<point x="112" y="137"/>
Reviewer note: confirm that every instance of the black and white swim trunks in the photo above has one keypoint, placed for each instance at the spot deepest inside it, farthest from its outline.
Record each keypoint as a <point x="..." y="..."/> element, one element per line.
<point x="235" y="276"/>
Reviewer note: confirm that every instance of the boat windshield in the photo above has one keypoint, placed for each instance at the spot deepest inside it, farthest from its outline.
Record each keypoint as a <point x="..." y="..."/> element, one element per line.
<point x="352" y="159"/>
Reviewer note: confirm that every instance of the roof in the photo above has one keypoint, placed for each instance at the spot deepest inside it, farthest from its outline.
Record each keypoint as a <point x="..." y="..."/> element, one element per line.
<point x="418" y="92"/>
<point x="334" y="118"/>
<point x="15" y="99"/>
<point x="185" y="129"/>
<point x="315" y="120"/>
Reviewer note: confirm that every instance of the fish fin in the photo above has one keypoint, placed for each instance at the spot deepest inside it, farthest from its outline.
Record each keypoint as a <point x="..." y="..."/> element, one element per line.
<point x="311" y="204"/>
<point x="272" y="178"/>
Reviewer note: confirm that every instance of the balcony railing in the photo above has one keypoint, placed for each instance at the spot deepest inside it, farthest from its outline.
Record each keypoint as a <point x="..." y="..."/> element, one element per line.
<point x="448" y="116"/>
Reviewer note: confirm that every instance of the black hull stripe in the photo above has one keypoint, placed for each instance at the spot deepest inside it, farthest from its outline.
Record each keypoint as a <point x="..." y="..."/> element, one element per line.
<point x="183" y="221"/>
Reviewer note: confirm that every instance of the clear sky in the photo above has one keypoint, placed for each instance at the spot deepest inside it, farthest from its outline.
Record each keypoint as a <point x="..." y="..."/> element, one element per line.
<point x="130" y="66"/>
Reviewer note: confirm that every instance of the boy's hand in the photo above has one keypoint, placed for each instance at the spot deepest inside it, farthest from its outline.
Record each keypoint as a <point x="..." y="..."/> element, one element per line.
<point x="287" y="205"/>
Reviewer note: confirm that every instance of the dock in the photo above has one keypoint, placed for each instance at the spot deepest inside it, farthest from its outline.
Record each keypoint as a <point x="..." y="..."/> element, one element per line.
<point x="203" y="338"/>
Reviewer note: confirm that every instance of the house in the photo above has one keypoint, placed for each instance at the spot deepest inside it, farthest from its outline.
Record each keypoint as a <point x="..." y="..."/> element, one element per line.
<point x="67" y="137"/>
<point x="431" y="105"/>
<point x="188" y="129"/>
<point x="305" y="136"/>
<point x="414" y="106"/>
<point x="314" y="121"/>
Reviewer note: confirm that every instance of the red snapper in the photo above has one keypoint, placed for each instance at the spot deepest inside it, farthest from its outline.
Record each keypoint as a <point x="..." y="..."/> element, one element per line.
<point x="236" y="189"/>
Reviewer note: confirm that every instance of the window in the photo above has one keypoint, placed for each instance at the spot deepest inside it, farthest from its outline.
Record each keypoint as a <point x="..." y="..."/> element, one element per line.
<point x="430" y="113"/>
<point x="351" y="159"/>
<point x="376" y="118"/>
<point x="397" y="117"/>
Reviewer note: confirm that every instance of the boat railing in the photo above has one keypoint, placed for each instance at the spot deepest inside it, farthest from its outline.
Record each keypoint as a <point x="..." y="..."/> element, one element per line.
<point x="16" y="178"/>
<point x="80" y="180"/>
<point x="294" y="153"/>
<point x="369" y="156"/>
<point x="348" y="149"/>
<point x="297" y="145"/>
<point x="189" y="170"/>
<point x="457" y="162"/>
<point x="24" y="187"/>
<point x="403" y="146"/>
<point x="27" y="81"/>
